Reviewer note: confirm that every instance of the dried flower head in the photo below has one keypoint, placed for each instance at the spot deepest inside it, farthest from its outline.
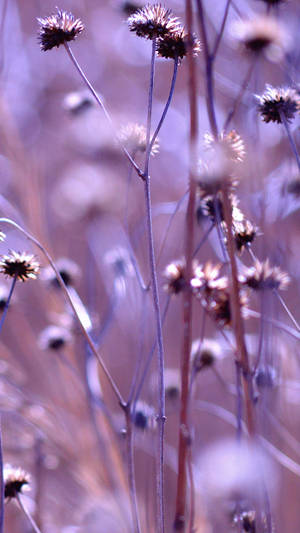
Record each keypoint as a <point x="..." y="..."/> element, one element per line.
<point x="153" y="21"/>
<point x="266" y="377"/>
<point x="20" y="265"/>
<point x="174" y="275"/>
<point x="231" y="143"/>
<point x="172" y="384"/>
<point x="68" y="270"/>
<point x="264" y="277"/>
<point x="58" y="29"/>
<point x="278" y="103"/>
<point x="143" y="416"/>
<point x="293" y="187"/>
<point x="54" y="338"/>
<point x="204" y="353"/>
<point x="14" y="481"/>
<point x="207" y="278"/>
<point x="134" y="137"/>
<point x="244" y="233"/>
<point x="262" y="34"/>
<point x="175" y="45"/>
<point x="77" y="102"/>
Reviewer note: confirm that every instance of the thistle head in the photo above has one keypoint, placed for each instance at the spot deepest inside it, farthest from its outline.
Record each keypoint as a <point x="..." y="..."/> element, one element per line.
<point x="58" y="29"/>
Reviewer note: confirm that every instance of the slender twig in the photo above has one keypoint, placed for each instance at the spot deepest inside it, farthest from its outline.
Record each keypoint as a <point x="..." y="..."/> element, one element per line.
<point x="285" y="307"/>
<point x="203" y="240"/>
<point x="68" y="297"/>
<point x="240" y="95"/>
<point x="220" y="34"/>
<point x="177" y="207"/>
<point x="294" y="333"/>
<point x="168" y="102"/>
<point x="161" y="408"/>
<point x="180" y="510"/>
<point x="131" y="471"/>
<point x="14" y="281"/>
<point x="101" y="104"/>
<point x="27" y="514"/>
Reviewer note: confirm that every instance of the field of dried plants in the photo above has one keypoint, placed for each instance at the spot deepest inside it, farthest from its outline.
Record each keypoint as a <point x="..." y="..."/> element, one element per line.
<point x="149" y="275"/>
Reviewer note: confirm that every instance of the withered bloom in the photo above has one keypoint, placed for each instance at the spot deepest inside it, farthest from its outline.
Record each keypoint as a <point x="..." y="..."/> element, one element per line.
<point x="244" y="234"/>
<point x="174" y="275"/>
<point x="231" y="143"/>
<point x="54" y="338"/>
<point x="14" y="481"/>
<point x="175" y="45"/>
<point x="153" y="21"/>
<point x="58" y="29"/>
<point x="264" y="277"/>
<point x="278" y="102"/>
<point x="262" y="34"/>
<point x="21" y="265"/>
<point x="68" y="270"/>
<point x="134" y="137"/>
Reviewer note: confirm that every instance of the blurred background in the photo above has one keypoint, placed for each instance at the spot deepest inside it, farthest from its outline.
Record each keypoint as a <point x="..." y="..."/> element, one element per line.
<point x="65" y="179"/>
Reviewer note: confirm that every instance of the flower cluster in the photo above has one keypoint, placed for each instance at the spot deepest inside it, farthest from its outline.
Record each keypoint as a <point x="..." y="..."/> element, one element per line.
<point x="157" y="22"/>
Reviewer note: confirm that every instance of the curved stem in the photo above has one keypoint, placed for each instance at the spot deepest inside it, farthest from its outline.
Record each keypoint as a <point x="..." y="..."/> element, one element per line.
<point x="68" y="297"/>
<point x="8" y="301"/>
<point x="220" y="34"/>
<point x="101" y="104"/>
<point x="285" y="307"/>
<point x="154" y="136"/>
<point x="27" y="514"/>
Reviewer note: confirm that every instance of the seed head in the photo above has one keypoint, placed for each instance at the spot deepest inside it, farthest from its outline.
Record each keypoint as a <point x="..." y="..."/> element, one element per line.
<point x="68" y="270"/>
<point x="78" y="102"/>
<point x="207" y="278"/>
<point x="134" y="137"/>
<point x="54" y="338"/>
<point x="261" y="35"/>
<point x="58" y="29"/>
<point x="143" y="416"/>
<point x="172" y="384"/>
<point x="244" y="233"/>
<point x="175" y="45"/>
<point x="174" y="274"/>
<point x="21" y="265"/>
<point x="262" y="277"/>
<point x="293" y="187"/>
<point x="14" y="481"/>
<point x="231" y="143"/>
<point x="204" y="353"/>
<point x="266" y="377"/>
<point x="278" y="102"/>
<point x="153" y="21"/>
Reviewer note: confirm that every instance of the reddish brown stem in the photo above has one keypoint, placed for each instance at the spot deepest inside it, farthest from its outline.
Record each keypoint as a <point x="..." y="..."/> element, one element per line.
<point x="180" y="516"/>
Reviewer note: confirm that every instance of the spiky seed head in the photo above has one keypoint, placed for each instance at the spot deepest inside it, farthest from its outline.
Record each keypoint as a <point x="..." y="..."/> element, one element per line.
<point x="20" y="265"/>
<point x="58" y="29"/>
<point x="143" y="416"/>
<point x="172" y="384"/>
<point x="153" y="21"/>
<point x="244" y="234"/>
<point x="278" y="102"/>
<point x="204" y="353"/>
<point x="77" y="102"/>
<point x="15" y="479"/>
<point x="232" y="144"/>
<point x="208" y="278"/>
<point x="54" y="338"/>
<point x="175" y="45"/>
<point x="134" y="137"/>
<point x="174" y="275"/>
<point x="262" y="34"/>
<point x="262" y="276"/>
<point x="68" y="270"/>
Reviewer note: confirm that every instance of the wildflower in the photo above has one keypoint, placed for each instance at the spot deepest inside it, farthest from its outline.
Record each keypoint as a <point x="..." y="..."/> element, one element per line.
<point x="14" y="481"/>
<point x="175" y="277"/>
<point x="244" y="233"/>
<point x="54" y="338"/>
<point x="172" y="384"/>
<point x="266" y="377"/>
<point x="232" y="144"/>
<point x="58" y="29"/>
<point x="277" y="104"/>
<point x="175" y="45"/>
<point x="204" y="353"/>
<point x="77" y="102"/>
<point x="134" y="137"/>
<point x="153" y="21"/>
<point x="261" y="34"/>
<point x="208" y="278"/>
<point x="143" y="416"/>
<point x="20" y="265"/>
<point x="68" y="270"/>
<point x="264" y="277"/>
